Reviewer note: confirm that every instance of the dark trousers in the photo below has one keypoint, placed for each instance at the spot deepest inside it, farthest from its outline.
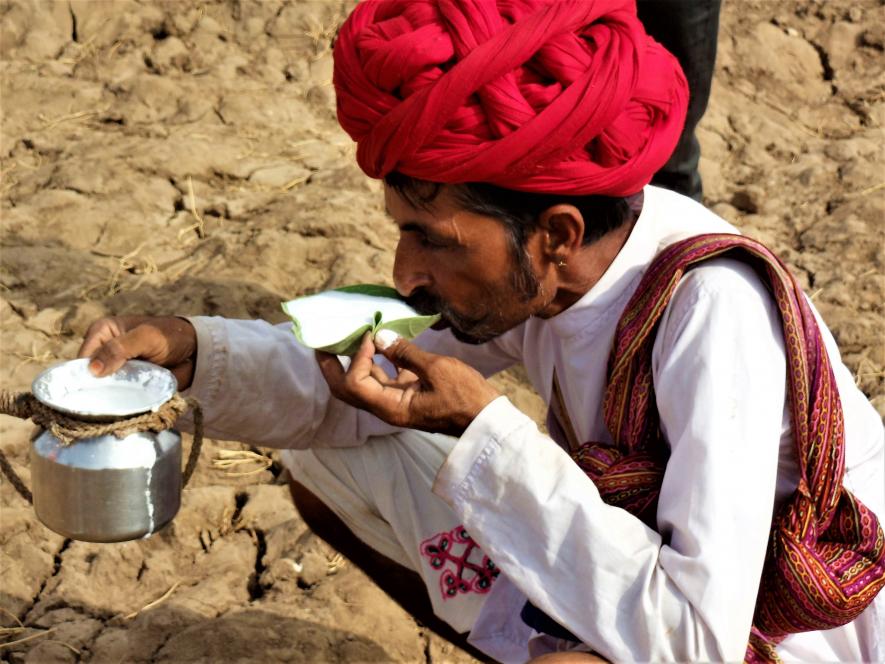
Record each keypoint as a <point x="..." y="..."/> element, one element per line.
<point x="688" y="29"/>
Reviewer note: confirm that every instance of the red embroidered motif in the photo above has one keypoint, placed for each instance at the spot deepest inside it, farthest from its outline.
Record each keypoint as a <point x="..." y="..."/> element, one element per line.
<point x="451" y="552"/>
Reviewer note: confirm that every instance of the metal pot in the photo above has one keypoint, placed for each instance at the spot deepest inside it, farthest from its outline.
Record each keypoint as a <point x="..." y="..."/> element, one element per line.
<point x="106" y="489"/>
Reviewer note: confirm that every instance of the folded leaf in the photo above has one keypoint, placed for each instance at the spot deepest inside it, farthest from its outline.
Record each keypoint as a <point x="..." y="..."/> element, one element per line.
<point x="335" y="321"/>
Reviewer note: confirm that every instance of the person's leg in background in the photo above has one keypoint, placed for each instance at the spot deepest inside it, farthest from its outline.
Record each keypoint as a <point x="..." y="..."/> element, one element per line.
<point x="689" y="30"/>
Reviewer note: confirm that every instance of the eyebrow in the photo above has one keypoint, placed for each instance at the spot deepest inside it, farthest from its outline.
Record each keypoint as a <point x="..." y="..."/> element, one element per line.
<point x="420" y="227"/>
<point x="414" y="226"/>
<point x="407" y="225"/>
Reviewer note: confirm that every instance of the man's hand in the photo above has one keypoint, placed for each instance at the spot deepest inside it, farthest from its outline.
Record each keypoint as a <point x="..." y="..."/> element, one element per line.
<point x="168" y="341"/>
<point x="430" y="392"/>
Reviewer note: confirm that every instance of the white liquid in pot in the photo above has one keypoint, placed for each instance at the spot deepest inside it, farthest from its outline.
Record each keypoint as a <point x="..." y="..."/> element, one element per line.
<point x="107" y="399"/>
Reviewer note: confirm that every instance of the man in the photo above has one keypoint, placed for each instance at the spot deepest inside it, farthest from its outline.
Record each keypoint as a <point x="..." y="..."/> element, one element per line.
<point x="695" y="426"/>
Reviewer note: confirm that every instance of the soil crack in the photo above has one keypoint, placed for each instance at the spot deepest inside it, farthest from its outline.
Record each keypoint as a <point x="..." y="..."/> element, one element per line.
<point x="256" y="589"/>
<point x="56" y="568"/>
<point x="826" y="65"/>
<point x="241" y="499"/>
<point x="156" y="653"/>
<point x="74" y="36"/>
<point x="428" y="658"/>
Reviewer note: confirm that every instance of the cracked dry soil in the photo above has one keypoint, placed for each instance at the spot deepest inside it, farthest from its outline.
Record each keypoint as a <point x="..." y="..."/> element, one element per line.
<point x="184" y="157"/>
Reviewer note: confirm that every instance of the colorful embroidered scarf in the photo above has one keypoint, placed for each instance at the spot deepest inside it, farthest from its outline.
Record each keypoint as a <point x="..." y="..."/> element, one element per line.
<point x="826" y="557"/>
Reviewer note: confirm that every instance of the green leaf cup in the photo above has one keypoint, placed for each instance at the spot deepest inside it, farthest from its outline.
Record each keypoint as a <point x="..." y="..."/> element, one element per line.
<point x="335" y="321"/>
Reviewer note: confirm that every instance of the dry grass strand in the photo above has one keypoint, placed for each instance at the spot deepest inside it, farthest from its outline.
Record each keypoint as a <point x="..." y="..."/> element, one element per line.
<point x="25" y="639"/>
<point x="150" y="605"/>
<point x="225" y="460"/>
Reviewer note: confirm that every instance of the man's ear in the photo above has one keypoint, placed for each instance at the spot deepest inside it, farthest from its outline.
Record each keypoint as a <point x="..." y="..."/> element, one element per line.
<point x="563" y="226"/>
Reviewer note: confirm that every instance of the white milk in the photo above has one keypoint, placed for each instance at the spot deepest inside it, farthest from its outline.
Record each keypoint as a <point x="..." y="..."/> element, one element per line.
<point x="137" y="387"/>
<point x="329" y="317"/>
<point x="107" y="399"/>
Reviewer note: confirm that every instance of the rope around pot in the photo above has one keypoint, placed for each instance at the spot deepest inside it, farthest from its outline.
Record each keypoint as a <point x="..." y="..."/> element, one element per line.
<point x="68" y="430"/>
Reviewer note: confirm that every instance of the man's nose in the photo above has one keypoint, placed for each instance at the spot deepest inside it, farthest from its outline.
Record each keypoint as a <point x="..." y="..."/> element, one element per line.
<point x="409" y="271"/>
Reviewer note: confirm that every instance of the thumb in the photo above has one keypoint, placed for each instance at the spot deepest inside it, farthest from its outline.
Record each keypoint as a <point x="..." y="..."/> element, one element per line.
<point x="402" y="353"/>
<point x="138" y="342"/>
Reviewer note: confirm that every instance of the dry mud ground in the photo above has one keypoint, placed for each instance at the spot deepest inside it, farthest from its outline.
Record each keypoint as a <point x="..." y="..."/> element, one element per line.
<point x="184" y="157"/>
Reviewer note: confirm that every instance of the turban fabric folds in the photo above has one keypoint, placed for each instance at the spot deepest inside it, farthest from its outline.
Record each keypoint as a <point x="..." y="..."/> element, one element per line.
<point x="553" y="96"/>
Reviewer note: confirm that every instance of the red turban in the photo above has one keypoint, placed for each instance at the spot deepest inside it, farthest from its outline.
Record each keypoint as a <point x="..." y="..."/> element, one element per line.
<point x="556" y="96"/>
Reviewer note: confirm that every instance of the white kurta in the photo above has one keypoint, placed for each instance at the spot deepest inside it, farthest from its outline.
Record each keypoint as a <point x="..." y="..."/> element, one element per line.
<point x="685" y="591"/>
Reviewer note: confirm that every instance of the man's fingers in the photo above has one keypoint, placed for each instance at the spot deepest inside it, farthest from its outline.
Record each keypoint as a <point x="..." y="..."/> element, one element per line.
<point x="104" y="330"/>
<point x="404" y="354"/>
<point x="112" y="354"/>
<point x="184" y="374"/>
<point x="99" y="333"/>
<point x="331" y="369"/>
<point x="361" y="363"/>
<point x="406" y="377"/>
<point x="362" y="379"/>
<point x="108" y="358"/>
<point x="380" y="375"/>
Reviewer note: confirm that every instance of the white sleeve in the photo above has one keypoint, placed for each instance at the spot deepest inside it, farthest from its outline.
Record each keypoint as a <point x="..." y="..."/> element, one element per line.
<point x="257" y="384"/>
<point x="686" y="592"/>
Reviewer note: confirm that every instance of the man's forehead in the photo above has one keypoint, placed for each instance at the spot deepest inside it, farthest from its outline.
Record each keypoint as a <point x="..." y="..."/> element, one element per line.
<point x="442" y="215"/>
<point x="397" y="205"/>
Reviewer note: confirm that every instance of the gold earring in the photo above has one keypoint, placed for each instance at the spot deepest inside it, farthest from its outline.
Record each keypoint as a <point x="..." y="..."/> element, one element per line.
<point x="560" y="263"/>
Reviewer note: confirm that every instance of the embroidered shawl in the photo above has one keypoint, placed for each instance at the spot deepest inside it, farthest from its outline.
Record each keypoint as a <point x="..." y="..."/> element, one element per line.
<point x="826" y="556"/>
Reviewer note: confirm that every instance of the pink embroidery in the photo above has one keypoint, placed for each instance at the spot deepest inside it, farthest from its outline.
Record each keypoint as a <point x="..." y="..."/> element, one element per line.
<point x="451" y="552"/>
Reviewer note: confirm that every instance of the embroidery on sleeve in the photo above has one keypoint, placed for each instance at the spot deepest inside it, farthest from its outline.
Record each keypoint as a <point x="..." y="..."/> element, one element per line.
<point x="464" y="567"/>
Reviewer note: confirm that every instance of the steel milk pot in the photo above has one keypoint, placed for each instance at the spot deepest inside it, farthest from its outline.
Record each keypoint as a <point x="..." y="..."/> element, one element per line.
<point x="106" y="488"/>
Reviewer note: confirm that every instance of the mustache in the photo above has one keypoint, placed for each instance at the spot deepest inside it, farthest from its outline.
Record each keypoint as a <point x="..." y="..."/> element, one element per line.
<point x="465" y="328"/>
<point x="425" y="303"/>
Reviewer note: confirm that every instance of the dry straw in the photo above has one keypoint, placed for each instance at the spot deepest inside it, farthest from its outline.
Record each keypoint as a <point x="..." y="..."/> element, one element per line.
<point x="132" y="263"/>
<point x="43" y="359"/>
<point x="69" y="117"/>
<point x="150" y="605"/>
<point x="32" y="637"/>
<point x="226" y="460"/>
<point x="25" y="639"/>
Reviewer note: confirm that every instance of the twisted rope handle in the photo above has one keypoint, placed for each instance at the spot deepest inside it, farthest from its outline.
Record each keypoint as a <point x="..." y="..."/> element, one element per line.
<point x="14" y="479"/>
<point x="67" y="429"/>
<point x="196" y="443"/>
